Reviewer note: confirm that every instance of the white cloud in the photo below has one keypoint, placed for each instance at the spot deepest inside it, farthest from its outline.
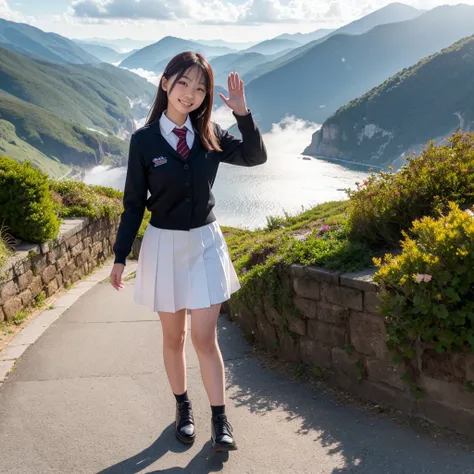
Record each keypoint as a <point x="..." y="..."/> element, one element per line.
<point x="8" y="14"/>
<point x="225" y="11"/>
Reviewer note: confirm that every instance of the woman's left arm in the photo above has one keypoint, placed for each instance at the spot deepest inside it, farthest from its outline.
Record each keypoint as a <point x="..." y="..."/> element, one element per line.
<point x="250" y="150"/>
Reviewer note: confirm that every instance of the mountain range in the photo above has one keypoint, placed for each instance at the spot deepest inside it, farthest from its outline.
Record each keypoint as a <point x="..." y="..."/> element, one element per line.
<point x="427" y="101"/>
<point x="33" y="42"/>
<point x="313" y="85"/>
<point x="375" y="84"/>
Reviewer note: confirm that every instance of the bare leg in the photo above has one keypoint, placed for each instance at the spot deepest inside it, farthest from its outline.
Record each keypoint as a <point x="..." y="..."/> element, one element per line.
<point x="174" y="337"/>
<point x="204" y="337"/>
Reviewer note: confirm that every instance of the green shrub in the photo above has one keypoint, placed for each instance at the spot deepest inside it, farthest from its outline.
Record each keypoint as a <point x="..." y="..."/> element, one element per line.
<point x="26" y="207"/>
<point x="77" y="199"/>
<point x="387" y="203"/>
<point x="427" y="292"/>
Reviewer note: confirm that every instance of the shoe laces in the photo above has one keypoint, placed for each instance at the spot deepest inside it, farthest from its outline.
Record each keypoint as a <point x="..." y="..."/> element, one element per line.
<point x="222" y="426"/>
<point x="185" y="413"/>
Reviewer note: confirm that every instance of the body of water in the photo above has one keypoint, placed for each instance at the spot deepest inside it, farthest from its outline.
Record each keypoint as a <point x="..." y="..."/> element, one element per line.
<point x="287" y="182"/>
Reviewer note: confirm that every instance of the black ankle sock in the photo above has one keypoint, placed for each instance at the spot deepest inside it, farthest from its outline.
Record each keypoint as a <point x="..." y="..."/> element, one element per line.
<point x="218" y="410"/>
<point x="182" y="398"/>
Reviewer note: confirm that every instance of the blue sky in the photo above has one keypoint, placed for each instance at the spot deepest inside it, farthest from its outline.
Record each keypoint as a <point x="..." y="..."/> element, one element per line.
<point x="233" y="20"/>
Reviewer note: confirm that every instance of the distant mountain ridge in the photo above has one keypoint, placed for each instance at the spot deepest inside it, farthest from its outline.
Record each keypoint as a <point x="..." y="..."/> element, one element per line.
<point x="427" y="101"/>
<point x="151" y="56"/>
<point x="392" y="12"/>
<point x="105" y="53"/>
<point x="305" y="38"/>
<point x="315" y="84"/>
<point x="33" y="42"/>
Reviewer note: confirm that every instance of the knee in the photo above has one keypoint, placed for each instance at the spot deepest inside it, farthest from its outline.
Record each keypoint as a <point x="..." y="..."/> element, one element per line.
<point x="204" y="344"/>
<point x="175" y="341"/>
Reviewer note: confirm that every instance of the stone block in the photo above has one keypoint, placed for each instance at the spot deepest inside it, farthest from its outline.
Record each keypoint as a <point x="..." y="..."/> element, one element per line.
<point x="444" y="366"/>
<point x="18" y="268"/>
<point x="308" y="308"/>
<point x="36" y="286"/>
<point x="368" y="334"/>
<point x="39" y="263"/>
<point x="62" y="262"/>
<point x="345" y="363"/>
<point x="48" y="274"/>
<point x="7" y="291"/>
<point x="307" y="288"/>
<point x="347" y="297"/>
<point x="267" y="334"/>
<point x="469" y="367"/>
<point x="371" y="302"/>
<point x="297" y="270"/>
<point x="24" y="280"/>
<point x="329" y="334"/>
<point x="383" y="370"/>
<point x="323" y="275"/>
<point x="2" y="315"/>
<point x="53" y="286"/>
<point x="12" y="307"/>
<point x="314" y="354"/>
<point x="77" y="249"/>
<point x="26" y="297"/>
<point x="72" y="241"/>
<point x="457" y="418"/>
<point x="271" y="313"/>
<point x="297" y="325"/>
<point x="87" y="242"/>
<point x="288" y="348"/>
<point x="359" y="280"/>
<point x="59" y="279"/>
<point x="86" y="255"/>
<point x="331" y="313"/>
<point x="68" y="270"/>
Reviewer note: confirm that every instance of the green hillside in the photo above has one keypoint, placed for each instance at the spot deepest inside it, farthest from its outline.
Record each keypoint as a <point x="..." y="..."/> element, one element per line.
<point x="13" y="146"/>
<point x="33" y="42"/>
<point x="427" y="101"/>
<point x="94" y="96"/>
<point x="60" y="140"/>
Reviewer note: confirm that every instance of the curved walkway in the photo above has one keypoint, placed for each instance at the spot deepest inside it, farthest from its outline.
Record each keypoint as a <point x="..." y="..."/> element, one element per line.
<point x="91" y="396"/>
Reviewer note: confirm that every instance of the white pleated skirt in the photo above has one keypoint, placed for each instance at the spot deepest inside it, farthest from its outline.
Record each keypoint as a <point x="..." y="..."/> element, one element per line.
<point x="180" y="269"/>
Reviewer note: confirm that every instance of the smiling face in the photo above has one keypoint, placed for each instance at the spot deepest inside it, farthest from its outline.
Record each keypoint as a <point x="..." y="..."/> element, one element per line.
<point x="185" y="94"/>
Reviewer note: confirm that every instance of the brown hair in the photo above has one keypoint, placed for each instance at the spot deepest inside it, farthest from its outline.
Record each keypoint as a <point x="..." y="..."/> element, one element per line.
<point x="201" y="117"/>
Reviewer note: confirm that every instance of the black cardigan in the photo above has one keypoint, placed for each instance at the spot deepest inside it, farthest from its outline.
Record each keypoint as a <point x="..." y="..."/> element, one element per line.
<point x="180" y="189"/>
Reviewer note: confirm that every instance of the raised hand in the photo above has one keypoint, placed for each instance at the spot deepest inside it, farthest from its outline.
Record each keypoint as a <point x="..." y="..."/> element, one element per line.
<point x="236" y="99"/>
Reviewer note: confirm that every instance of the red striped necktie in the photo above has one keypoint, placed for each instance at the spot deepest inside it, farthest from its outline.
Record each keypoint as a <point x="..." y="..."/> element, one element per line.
<point x="182" y="148"/>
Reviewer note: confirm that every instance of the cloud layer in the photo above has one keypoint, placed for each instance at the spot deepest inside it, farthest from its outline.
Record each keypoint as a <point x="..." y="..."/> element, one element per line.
<point x="224" y="11"/>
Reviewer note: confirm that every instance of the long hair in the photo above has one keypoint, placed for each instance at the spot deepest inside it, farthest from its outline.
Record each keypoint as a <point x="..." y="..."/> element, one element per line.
<point x="201" y="117"/>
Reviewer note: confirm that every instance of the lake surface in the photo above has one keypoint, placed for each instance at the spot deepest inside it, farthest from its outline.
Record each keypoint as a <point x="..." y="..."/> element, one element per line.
<point x="287" y="182"/>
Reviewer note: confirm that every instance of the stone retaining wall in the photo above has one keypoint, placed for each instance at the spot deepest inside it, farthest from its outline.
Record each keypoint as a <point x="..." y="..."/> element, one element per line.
<point x="338" y="334"/>
<point x="81" y="245"/>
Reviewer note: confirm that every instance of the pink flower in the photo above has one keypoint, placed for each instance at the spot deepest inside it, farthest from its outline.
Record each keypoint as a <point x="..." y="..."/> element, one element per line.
<point x="420" y="277"/>
<point x="244" y="271"/>
<point x="325" y="228"/>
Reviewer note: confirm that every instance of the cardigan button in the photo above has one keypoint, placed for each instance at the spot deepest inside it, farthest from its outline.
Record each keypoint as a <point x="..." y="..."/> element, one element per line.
<point x="188" y="200"/>
<point x="187" y="184"/>
<point x="186" y="167"/>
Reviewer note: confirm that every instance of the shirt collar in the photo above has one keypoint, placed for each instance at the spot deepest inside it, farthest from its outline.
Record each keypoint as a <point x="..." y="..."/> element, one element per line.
<point x="168" y="126"/>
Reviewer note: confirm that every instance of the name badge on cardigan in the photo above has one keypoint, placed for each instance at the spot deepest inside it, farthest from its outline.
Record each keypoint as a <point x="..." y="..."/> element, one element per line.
<point x="159" y="161"/>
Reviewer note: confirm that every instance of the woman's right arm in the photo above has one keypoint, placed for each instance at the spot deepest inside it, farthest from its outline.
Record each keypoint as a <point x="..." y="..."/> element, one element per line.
<point x="134" y="202"/>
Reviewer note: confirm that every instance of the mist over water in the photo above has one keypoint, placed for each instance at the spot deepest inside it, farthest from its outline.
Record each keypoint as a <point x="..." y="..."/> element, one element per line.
<point x="287" y="182"/>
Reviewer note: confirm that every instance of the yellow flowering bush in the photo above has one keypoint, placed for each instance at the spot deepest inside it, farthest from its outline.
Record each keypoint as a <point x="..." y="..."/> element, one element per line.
<point x="427" y="292"/>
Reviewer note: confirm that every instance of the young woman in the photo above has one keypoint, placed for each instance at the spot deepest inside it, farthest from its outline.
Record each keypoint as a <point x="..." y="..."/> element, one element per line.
<point x="184" y="262"/>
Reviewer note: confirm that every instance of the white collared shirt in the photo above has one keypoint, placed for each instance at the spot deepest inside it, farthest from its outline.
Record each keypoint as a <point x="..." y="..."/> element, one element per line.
<point x="167" y="127"/>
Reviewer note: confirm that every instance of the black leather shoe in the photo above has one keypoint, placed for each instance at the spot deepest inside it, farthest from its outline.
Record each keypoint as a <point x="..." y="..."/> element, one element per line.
<point x="185" y="431"/>
<point x="221" y="434"/>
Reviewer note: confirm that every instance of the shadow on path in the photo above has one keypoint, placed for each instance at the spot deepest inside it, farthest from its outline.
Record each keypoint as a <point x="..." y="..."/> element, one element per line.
<point x="203" y="462"/>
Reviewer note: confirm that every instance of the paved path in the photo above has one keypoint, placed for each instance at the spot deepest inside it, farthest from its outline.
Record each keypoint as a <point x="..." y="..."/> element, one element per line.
<point x="91" y="396"/>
